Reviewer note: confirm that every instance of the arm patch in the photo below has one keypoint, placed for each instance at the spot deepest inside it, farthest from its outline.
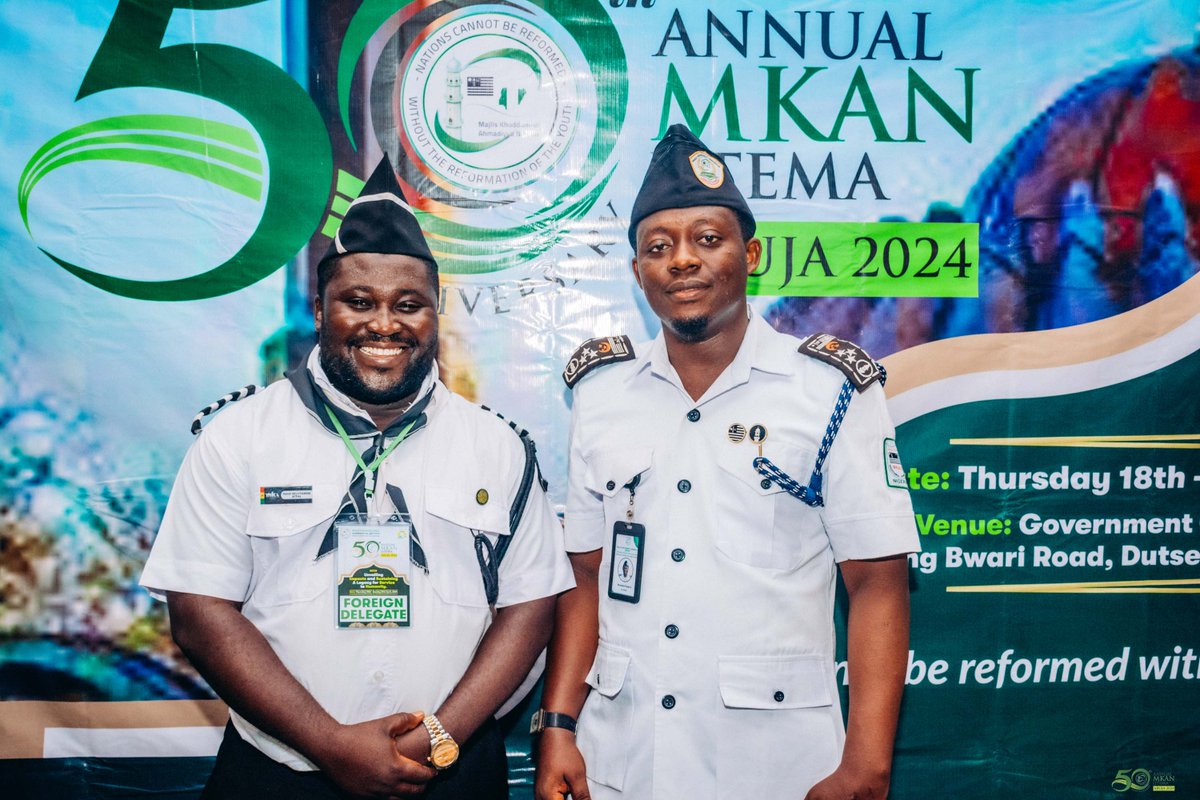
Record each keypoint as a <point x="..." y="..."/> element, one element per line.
<point x="858" y="367"/>
<point x="595" y="352"/>
<point x="219" y="403"/>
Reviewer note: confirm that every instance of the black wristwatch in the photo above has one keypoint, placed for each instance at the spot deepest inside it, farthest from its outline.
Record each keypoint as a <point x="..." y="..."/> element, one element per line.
<point x="543" y="719"/>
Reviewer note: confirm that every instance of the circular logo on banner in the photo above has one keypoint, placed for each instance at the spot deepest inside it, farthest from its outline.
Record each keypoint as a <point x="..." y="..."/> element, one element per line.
<point x="501" y="118"/>
<point x="488" y="102"/>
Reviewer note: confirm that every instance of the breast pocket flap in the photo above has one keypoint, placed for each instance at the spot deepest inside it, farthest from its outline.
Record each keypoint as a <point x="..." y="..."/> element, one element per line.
<point x="609" y="472"/>
<point x="794" y="462"/>
<point x="465" y="509"/>
<point x="766" y="682"/>
<point x="277" y="519"/>
<point x="608" y="671"/>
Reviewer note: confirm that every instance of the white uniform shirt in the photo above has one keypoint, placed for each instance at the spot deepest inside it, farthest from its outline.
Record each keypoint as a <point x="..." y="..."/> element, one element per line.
<point x="719" y="682"/>
<point x="218" y="539"/>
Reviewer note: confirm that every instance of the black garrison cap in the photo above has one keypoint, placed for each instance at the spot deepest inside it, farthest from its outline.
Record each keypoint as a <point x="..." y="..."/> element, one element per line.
<point x="380" y="220"/>
<point x="684" y="173"/>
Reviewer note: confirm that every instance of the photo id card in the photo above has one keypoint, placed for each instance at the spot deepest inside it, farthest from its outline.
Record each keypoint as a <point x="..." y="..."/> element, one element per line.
<point x="625" y="568"/>
<point x="373" y="571"/>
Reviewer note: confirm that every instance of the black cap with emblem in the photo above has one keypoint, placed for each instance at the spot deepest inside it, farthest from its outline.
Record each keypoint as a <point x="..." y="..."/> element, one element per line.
<point x="684" y="173"/>
<point x="380" y="220"/>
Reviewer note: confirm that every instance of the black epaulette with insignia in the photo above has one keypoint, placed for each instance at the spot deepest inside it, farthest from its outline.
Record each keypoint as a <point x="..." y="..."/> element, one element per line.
<point x="858" y="367"/>
<point x="593" y="353"/>
<point x="216" y="405"/>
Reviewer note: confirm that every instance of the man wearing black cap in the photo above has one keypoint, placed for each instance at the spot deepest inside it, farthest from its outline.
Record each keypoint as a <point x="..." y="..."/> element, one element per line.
<point x="719" y="477"/>
<point x="348" y="551"/>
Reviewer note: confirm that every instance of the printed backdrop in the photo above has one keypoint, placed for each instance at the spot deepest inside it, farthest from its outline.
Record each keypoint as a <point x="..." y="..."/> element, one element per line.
<point x="999" y="200"/>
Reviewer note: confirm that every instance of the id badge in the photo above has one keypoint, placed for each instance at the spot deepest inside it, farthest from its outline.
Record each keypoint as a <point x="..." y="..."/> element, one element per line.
<point x="373" y="571"/>
<point x="625" y="568"/>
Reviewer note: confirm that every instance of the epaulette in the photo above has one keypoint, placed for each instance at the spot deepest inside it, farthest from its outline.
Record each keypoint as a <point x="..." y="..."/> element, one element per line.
<point x="858" y="367"/>
<point x="595" y="352"/>
<point x="216" y="405"/>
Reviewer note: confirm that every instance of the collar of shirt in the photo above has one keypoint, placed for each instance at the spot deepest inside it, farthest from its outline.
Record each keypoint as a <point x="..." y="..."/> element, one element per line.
<point x="762" y="349"/>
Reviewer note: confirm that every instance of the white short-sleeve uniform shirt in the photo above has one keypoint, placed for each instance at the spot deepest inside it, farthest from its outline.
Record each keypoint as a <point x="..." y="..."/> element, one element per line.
<point x="719" y="682"/>
<point x="219" y="539"/>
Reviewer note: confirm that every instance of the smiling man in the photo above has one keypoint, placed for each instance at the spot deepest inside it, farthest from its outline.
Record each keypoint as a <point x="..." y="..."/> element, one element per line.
<point x="719" y="479"/>
<point x="361" y="563"/>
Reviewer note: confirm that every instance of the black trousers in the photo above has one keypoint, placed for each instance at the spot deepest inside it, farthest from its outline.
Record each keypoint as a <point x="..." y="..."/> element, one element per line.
<point x="242" y="772"/>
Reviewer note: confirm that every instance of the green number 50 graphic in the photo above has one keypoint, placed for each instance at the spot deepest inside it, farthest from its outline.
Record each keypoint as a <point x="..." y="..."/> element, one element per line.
<point x="298" y="156"/>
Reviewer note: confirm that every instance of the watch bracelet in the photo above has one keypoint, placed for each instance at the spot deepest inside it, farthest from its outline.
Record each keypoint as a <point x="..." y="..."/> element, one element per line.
<point x="543" y="719"/>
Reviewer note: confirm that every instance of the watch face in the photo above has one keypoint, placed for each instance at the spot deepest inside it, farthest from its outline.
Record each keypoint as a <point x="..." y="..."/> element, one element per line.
<point x="444" y="753"/>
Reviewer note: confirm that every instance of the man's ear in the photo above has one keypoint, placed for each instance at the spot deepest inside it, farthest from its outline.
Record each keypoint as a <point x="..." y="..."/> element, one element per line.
<point x="317" y="312"/>
<point x="753" y="255"/>
<point x="637" y="275"/>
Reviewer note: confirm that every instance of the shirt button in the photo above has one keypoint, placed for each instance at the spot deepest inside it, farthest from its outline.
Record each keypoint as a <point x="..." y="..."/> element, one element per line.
<point x="378" y="676"/>
<point x="671" y="631"/>
<point x="779" y="697"/>
<point x="694" y="415"/>
<point x="668" y="701"/>
<point x="765" y="483"/>
<point x="684" y="486"/>
<point x="678" y="555"/>
<point x="610" y="485"/>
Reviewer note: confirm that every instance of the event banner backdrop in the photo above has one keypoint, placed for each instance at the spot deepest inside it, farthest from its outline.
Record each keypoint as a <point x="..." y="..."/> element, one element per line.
<point x="1001" y="201"/>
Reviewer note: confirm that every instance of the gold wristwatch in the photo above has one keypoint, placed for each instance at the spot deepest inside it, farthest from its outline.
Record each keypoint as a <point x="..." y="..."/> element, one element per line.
<point x="443" y="750"/>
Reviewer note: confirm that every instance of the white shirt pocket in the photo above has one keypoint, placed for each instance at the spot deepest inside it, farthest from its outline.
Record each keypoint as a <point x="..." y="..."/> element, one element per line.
<point x="607" y="717"/>
<point x="778" y="724"/>
<point x="760" y="524"/>
<point x="453" y="518"/>
<point x="610" y="471"/>
<point x="285" y="539"/>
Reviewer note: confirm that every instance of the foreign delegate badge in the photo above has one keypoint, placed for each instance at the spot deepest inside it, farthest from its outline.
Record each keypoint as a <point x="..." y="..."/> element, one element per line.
<point x="373" y="588"/>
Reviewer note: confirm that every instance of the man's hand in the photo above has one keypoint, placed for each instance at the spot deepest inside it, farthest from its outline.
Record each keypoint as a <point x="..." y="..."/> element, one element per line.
<point x="561" y="772"/>
<point x="365" y="759"/>
<point x="414" y="744"/>
<point x="849" y="782"/>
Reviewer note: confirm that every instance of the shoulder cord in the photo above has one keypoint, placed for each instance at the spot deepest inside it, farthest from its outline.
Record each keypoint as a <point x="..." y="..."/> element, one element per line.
<point x="489" y="555"/>
<point x="811" y="494"/>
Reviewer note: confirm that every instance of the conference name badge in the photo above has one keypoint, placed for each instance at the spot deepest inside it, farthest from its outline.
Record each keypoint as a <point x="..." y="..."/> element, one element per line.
<point x="373" y="588"/>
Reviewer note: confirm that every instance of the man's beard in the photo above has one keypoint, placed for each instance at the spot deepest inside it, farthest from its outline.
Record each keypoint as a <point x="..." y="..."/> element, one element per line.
<point x="343" y="374"/>
<point x="693" y="329"/>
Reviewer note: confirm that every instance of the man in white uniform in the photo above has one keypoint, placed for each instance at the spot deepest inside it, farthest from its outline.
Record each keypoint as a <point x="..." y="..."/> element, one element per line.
<point x="348" y="551"/>
<point x="719" y="478"/>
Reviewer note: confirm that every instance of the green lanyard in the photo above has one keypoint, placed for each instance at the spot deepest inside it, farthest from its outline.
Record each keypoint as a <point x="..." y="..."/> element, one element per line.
<point x="368" y="469"/>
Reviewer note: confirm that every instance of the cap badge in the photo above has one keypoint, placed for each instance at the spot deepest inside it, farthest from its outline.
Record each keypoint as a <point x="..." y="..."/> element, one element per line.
<point x="707" y="169"/>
